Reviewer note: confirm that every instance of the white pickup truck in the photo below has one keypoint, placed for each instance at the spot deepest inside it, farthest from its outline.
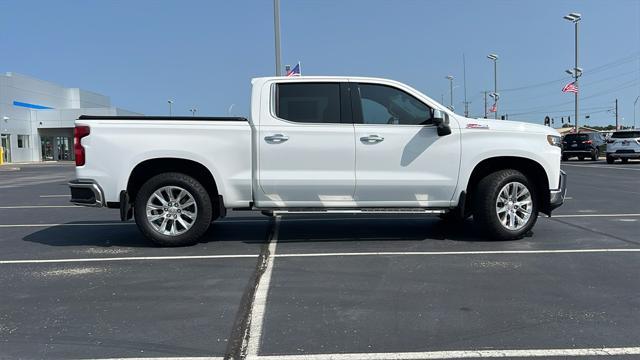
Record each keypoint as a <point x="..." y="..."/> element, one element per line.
<point x="319" y="145"/>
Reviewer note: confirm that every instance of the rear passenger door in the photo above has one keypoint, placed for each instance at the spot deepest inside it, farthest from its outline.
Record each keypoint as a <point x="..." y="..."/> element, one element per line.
<point x="305" y="143"/>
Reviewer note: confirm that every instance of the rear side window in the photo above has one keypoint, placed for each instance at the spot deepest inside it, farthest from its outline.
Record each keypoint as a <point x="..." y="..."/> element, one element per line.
<point x="308" y="102"/>
<point x="626" y="135"/>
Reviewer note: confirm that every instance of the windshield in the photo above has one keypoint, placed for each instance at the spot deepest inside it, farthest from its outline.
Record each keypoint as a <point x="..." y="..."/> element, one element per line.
<point x="626" y="135"/>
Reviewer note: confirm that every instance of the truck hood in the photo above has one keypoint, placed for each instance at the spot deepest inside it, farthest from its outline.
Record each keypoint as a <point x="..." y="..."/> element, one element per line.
<point x="505" y="125"/>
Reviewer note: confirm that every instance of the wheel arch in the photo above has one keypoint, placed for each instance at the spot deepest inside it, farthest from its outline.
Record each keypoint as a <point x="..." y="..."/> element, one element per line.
<point x="533" y="170"/>
<point x="149" y="168"/>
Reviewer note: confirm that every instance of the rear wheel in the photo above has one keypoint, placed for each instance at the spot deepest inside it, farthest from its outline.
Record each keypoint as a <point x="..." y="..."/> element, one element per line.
<point x="580" y="157"/>
<point x="565" y="157"/>
<point x="173" y="209"/>
<point x="624" y="160"/>
<point x="610" y="160"/>
<point x="596" y="155"/>
<point x="505" y="205"/>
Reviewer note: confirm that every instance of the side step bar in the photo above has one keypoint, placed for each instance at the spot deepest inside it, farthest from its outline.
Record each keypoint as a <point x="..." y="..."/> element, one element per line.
<point x="354" y="211"/>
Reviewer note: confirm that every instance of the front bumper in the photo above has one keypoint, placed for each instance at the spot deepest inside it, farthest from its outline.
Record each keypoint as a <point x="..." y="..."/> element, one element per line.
<point x="86" y="193"/>
<point x="556" y="197"/>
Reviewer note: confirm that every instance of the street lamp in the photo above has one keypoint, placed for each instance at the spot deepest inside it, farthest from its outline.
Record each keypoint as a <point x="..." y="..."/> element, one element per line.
<point x="494" y="58"/>
<point x="450" y="78"/>
<point x="170" y="102"/>
<point x="634" y="112"/>
<point x="276" y="31"/>
<point x="576" y="71"/>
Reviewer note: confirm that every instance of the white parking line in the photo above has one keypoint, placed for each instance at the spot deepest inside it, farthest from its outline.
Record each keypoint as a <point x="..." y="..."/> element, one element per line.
<point x="40" y="206"/>
<point x="164" y="358"/>
<point x="130" y="258"/>
<point x="66" y="195"/>
<point x="461" y="354"/>
<point x="483" y="252"/>
<point x="256" y="317"/>
<point x="593" y="215"/>
<point x="603" y="167"/>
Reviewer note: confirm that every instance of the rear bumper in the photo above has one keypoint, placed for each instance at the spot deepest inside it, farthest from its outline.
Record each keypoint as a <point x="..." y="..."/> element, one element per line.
<point x="556" y="196"/>
<point x="86" y="193"/>
<point x="617" y="155"/>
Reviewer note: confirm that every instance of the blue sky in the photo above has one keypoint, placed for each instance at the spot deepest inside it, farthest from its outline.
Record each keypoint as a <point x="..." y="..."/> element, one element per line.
<point x="204" y="53"/>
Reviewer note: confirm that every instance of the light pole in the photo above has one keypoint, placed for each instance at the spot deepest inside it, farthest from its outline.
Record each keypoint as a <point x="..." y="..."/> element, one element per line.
<point x="276" y="29"/>
<point x="496" y="96"/>
<point x="576" y="72"/>
<point x="193" y="111"/>
<point x="450" y="78"/>
<point x="170" y="102"/>
<point x="634" y="112"/>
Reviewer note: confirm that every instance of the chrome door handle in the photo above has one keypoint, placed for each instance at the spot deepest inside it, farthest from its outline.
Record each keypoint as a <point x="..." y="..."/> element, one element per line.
<point x="371" y="139"/>
<point x="276" y="138"/>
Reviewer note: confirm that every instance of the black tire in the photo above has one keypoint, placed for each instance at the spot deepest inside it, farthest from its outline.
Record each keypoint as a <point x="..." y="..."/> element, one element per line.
<point x="484" y="205"/>
<point x="565" y="157"/>
<point x="624" y="160"/>
<point x="610" y="160"/>
<point x="596" y="155"/>
<point x="581" y="157"/>
<point x="202" y="201"/>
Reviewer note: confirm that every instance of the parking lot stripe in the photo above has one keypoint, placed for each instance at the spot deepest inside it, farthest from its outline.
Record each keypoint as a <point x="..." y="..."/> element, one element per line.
<point x="484" y="252"/>
<point x="164" y="358"/>
<point x="39" y="206"/>
<point x="593" y="215"/>
<point x="252" y="345"/>
<point x="66" y="195"/>
<point x="461" y="354"/>
<point x="603" y="167"/>
<point x="129" y="258"/>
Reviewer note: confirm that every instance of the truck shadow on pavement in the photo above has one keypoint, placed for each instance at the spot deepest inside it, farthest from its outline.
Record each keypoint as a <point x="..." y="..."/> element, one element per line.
<point x="381" y="229"/>
<point x="299" y="230"/>
<point x="127" y="234"/>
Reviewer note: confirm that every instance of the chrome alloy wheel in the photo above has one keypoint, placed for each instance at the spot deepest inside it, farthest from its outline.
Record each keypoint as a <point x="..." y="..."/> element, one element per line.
<point x="514" y="206"/>
<point x="171" y="210"/>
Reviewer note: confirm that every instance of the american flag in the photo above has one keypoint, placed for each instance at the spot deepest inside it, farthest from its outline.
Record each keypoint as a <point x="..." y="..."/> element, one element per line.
<point x="570" y="87"/>
<point x="494" y="108"/>
<point x="295" y="71"/>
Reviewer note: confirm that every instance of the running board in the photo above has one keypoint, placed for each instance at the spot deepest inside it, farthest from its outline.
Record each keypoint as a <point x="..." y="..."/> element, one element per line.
<point x="355" y="211"/>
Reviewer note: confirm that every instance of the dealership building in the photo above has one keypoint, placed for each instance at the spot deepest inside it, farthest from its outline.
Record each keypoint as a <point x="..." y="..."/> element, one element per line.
<point x="37" y="117"/>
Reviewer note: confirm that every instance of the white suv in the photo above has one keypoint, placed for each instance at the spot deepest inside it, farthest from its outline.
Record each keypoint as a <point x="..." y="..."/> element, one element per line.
<point x="623" y="145"/>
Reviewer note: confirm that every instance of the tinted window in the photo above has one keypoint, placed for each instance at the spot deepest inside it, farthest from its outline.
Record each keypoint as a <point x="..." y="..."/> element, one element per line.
<point x="626" y="135"/>
<point x="309" y="102"/>
<point x="387" y="105"/>
<point x="572" y="137"/>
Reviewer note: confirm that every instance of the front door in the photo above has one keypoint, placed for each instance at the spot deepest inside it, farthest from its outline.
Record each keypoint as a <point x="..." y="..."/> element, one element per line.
<point x="306" y="153"/>
<point x="5" y="142"/>
<point x="400" y="159"/>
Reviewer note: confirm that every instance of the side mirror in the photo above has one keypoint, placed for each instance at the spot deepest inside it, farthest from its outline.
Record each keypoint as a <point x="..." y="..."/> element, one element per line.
<point x="441" y="121"/>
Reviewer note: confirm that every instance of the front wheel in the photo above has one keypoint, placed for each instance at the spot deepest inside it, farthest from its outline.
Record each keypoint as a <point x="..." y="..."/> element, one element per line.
<point x="505" y="205"/>
<point x="173" y="209"/>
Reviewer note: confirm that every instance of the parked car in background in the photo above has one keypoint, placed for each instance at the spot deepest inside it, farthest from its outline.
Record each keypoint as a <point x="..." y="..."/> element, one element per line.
<point x="582" y="145"/>
<point x="623" y="145"/>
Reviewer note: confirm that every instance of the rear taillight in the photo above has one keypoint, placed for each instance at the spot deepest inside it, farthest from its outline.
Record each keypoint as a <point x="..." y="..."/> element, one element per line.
<point x="78" y="133"/>
<point x="587" y="142"/>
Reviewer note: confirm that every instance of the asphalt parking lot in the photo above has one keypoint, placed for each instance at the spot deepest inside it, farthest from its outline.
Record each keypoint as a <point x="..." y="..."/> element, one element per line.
<point x="76" y="283"/>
